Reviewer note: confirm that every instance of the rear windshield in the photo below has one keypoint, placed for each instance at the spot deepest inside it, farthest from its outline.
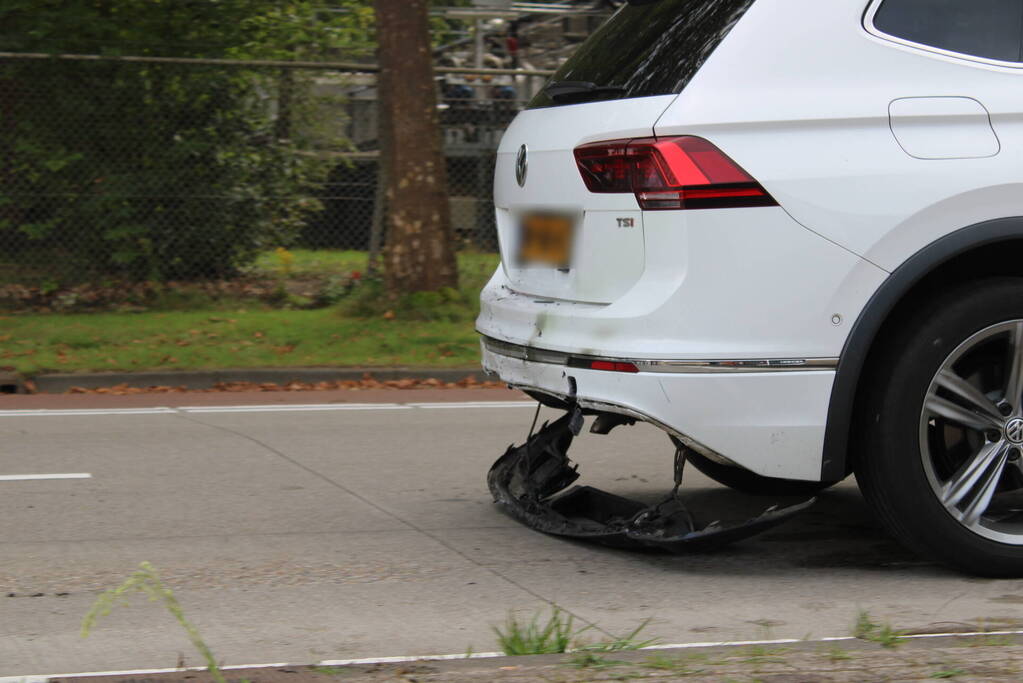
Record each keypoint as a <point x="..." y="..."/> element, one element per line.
<point x="651" y="49"/>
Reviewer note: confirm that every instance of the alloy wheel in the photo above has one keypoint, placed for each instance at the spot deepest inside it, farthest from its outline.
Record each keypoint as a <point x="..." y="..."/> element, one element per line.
<point x="971" y="433"/>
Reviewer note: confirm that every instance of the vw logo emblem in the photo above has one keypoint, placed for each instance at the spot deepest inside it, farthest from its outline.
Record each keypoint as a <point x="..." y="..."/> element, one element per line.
<point x="1014" y="430"/>
<point x="522" y="165"/>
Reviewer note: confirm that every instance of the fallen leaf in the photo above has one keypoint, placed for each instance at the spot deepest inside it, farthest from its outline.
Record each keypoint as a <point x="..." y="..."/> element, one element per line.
<point x="367" y="382"/>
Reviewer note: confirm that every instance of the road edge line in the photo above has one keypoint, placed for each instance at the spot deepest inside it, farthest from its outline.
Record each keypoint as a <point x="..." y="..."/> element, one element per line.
<point x="45" y="678"/>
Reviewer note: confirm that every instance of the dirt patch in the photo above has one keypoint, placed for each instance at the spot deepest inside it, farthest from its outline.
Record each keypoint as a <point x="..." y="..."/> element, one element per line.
<point x="990" y="658"/>
<point x="367" y="382"/>
<point x="214" y="398"/>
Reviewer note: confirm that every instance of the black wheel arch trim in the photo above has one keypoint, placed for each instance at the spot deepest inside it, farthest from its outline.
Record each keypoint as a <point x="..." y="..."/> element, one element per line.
<point x="835" y="462"/>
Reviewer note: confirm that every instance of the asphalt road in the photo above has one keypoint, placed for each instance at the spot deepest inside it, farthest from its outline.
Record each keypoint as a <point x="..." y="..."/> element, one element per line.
<point x="304" y="534"/>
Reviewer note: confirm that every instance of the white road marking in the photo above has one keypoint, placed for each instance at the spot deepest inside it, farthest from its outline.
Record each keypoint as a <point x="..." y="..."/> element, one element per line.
<point x="272" y="408"/>
<point x="35" y="477"/>
<point x="132" y="672"/>
<point x="45" y="678"/>
<point x="294" y="408"/>
<point x="87" y="411"/>
<point x="475" y="404"/>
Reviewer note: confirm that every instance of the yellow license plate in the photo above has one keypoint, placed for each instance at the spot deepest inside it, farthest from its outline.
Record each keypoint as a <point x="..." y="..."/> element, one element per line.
<point x="546" y="239"/>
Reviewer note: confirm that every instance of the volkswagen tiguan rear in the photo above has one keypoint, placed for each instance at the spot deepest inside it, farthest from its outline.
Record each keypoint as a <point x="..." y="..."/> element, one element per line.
<point x="788" y="233"/>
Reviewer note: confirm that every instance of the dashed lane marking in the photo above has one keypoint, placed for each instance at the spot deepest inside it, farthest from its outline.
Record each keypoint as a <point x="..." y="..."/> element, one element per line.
<point x="87" y="411"/>
<point x="37" y="477"/>
<point x="294" y="408"/>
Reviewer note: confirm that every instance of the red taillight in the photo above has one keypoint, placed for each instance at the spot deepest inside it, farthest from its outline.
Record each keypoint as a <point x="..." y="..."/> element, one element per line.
<point x="669" y="173"/>
<point x="613" y="366"/>
<point x="606" y="166"/>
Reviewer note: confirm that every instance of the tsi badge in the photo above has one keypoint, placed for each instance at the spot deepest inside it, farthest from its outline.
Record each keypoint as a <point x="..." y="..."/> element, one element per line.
<point x="522" y="165"/>
<point x="626" y="222"/>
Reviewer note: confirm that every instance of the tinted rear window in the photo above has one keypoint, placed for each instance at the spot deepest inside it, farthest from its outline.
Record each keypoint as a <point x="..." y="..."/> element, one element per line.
<point x="653" y="49"/>
<point x="983" y="28"/>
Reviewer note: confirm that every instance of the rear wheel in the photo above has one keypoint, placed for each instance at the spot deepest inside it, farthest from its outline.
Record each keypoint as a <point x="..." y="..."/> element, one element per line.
<point x="944" y="430"/>
<point x="743" y="480"/>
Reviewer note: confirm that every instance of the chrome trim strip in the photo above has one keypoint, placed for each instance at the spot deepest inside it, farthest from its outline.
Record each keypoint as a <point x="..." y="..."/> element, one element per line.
<point x="752" y="365"/>
<point x="535" y="355"/>
<point x="868" y="25"/>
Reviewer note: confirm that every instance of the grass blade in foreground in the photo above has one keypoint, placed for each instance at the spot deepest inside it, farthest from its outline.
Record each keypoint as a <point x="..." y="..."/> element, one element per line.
<point x="145" y="580"/>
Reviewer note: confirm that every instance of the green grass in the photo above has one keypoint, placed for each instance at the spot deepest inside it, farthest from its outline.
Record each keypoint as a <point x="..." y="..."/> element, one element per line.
<point x="629" y="641"/>
<point x="303" y="278"/>
<point x="530" y="638"/>
<point x="326" y="262"/>
<point x="304" y="263"/>
<point x="311" y="262"/>
<point x="589" y="660"/>
<point x="556" y="635"/>
<point x="680" y="665"/>
<point x="365" y="328"/>
<point x="145" y="580"/>
<point x="882" y="634"/>
<point x="235" y="339"/>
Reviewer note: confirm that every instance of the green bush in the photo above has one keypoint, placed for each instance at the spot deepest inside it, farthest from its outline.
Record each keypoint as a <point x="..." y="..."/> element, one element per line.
<point x="158" y="172"/>
<point x="161" y="171"/>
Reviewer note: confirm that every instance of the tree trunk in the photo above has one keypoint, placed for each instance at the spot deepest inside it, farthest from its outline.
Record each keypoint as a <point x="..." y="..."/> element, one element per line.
<point x="376" y="229"/>
<point x="420" y="252"/>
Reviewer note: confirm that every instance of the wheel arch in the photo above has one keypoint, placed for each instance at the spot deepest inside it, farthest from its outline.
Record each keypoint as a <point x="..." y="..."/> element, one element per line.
<point x="988" y="249"/>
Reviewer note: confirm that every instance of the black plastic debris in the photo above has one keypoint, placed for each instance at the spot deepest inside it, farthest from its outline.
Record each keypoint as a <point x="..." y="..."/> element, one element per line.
<point x="529" y="482"/>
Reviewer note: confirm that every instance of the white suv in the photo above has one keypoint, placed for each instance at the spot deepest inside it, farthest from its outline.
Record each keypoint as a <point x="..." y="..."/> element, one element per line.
<point x="790" y="234"/>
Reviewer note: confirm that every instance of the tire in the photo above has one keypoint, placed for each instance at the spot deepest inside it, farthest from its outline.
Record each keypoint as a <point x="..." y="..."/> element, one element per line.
<point x="943" y="430"/>
<point x="741" y="479"/>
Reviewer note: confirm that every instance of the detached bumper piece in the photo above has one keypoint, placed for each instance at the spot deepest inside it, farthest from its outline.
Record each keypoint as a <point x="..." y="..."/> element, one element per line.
<point x="527" y="482"/>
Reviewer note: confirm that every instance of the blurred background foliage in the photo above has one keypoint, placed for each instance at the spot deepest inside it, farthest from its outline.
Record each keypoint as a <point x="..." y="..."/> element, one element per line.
<point x="164" y="171"/>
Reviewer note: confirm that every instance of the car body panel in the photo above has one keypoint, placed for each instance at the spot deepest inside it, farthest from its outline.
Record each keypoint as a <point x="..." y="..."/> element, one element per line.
<point x="716" y="285"/>
<point x="943" y="128"/>
<point x="774" y="424"/>
<point x="872" y="148"/>
<point x="607" y="258"/>
<point x="811" y="123"/>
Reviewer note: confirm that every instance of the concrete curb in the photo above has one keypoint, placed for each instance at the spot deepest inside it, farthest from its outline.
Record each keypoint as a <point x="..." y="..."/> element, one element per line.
<point x="205" y="379"/>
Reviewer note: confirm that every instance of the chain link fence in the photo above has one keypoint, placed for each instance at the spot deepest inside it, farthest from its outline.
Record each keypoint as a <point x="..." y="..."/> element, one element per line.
<point x="116" y="172"/>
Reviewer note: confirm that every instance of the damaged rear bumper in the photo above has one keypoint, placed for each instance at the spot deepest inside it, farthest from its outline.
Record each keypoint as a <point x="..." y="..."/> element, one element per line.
<point x="769" y="421"/>
<point x="529" y="482"/>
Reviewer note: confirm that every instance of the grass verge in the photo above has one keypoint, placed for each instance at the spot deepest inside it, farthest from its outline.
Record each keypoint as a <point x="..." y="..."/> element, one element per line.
<point x="242" y="339"/>
<point x="365" y="327"/>
<point x="882" y="634"/>
<point x="557" y="635"/>
<point x="532" y="638"/>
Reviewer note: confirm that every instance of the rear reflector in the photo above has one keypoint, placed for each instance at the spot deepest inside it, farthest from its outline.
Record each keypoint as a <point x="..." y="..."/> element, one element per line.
<point x="669" y="174"/>
<point x="613" y="366"/>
